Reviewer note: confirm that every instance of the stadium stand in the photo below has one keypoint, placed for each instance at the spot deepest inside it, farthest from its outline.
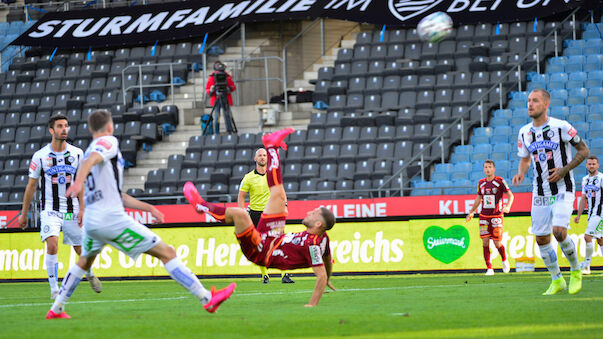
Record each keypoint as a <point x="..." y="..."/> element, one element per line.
<point x="385" y="100"/>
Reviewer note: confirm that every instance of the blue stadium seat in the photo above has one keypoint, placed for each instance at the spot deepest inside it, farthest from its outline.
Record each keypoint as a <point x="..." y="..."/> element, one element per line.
<point x="575" y="63"/>
<point x="594" y="62"/>
<point x="468" y="149"/>
<point x="460" y="157"/>
<point x="444" y="168"/>
<point x="595" y="96"/>
<point x="595" y="129"/>
<point x="595" y="79"/>
<point x="476" y="175"/>
<point x="559" y="112"/>
<point x="503" y="113"/>
<point x="463" y="187"/>
<point x="581" y="127"/>
<point x="479" y="139"/>
<point x="576" y="80"/>
<point x="462" y="167"/>
<point x="556" y="64"/>
<point x="421" y="188"/>
<point x="438" y="176"/>
<point x="499" y="121"/>
<point x="559" y="97"/>
<point x="557" y="80"/>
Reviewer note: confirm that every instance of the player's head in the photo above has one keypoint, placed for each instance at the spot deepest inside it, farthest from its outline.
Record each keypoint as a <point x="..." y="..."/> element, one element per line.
<point x="320" y="219"/>
<point x="59" y="127"/>
<point x="261" y="157"/>
<point x="489" y="168"/>
<point x="219" y="66"/>
<point x="538" y="102"/>
<point x="592" y="164"/>
<point x="100" y="121"/>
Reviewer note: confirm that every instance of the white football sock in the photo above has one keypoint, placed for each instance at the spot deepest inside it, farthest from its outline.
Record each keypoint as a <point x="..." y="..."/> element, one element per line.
<point x="590" y="248"/>
<point x="187" y="279"/>
<point x="52" y="268"/>
<point x="549" y="256"/>
<point x="89" y="273"/>
<point x="568" y="248"/>
<point x="68" y="286"/>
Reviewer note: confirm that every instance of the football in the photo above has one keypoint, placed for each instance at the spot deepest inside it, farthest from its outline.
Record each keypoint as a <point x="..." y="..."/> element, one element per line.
<point x="435" y="27"/>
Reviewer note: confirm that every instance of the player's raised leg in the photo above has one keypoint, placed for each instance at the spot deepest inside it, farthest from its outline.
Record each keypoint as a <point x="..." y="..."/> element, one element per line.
<point x="68" y="286"/>
<point x="277" y="203"/>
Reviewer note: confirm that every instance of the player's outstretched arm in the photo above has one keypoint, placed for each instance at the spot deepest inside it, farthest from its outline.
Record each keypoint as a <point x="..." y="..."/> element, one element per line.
<point x="581" y="208"/>
<point x="329" y="269"/>
<point x="133" y="203"/>
<point x="510" y="200"/>
<point x="82" y="173"/>
<point x="522" y="169"/>
<point x="27" y="198"/>
<point x="476" y="203"/>
<point x="319" y="288"/>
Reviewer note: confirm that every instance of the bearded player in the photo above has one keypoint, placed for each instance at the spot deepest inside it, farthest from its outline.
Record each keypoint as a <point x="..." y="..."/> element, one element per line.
<point x="489" y="196"/>
<point x="266" y="245"/>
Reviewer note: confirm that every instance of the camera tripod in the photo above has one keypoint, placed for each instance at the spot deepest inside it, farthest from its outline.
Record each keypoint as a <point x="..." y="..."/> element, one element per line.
<point x="221" y="102"/>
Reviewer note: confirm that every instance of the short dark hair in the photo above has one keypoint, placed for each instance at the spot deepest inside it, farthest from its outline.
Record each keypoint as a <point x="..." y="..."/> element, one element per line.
<point x="54" y="118"/>
<point x="544" y="92"/>
<point x="592" y="157"/>
<point x="328" y="216"/>
<point x="98" y="120"/>
<point x="488" y="161"/>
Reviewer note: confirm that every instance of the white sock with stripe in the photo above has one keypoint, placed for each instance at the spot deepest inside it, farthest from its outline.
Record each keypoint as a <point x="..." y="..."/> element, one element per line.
<point x="68" y="286"/>
<point x="590" y="249"/>
<point x="52" y="267"/>
<point x="187" y="279"/>
<point x="549" y="256"/>
<point x="568" y="248"/>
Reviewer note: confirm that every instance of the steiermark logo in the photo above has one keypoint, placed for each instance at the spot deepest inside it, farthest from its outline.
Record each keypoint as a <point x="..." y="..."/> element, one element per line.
<point x="446" y="245"/>
<point x="128" y="239"/>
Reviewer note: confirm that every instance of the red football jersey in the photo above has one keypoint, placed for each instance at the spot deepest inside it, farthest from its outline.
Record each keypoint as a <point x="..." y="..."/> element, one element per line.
<point x="492" y="193"/>
<point x="299" y="250"/>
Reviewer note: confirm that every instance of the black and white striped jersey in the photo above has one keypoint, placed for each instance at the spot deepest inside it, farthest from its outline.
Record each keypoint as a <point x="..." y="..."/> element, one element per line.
<point x="591" y="190"/>
<point x="104" y="183"/>
<point x="549" y="146"/>
<point x="56" y="171"/>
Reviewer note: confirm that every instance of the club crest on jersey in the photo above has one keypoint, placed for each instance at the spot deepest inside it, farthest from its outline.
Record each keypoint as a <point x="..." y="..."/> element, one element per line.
<point x="62" y="180"/>
<point x="550" y="134"/>
<point x="71" y="159"/>
<point x="494" y="190"/>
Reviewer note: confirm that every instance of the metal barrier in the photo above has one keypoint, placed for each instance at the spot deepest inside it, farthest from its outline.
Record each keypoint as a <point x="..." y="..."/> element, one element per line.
<point x="141" y="87"/>
<point x="479" y="102"/>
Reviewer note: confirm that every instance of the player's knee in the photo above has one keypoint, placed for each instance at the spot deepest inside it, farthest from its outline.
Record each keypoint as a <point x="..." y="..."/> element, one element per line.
<point x="543" y="240"/>
<point x="52" y="248"/>
<point x="559" y="235"/>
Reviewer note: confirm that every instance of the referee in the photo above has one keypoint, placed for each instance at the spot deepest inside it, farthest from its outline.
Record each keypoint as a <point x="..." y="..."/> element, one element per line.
<point x="256" y="184"/>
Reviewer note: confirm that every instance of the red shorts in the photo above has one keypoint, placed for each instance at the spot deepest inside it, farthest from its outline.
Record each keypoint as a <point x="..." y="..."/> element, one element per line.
<point x="491" y="227"/>
<point x="256" y="242"/>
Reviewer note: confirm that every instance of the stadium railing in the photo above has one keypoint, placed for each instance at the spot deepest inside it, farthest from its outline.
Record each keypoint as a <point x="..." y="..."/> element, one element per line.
<point x="535" y="51"/>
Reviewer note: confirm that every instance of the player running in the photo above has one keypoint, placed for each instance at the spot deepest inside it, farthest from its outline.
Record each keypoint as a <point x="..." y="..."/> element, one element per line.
<point x="546" y="141"/>
<point x="106" y="221"/>
<point x="591" y="193"/>
<point x="56" y="164"/>
<point x="267" y="245"/>
<point x="489" y="196"/>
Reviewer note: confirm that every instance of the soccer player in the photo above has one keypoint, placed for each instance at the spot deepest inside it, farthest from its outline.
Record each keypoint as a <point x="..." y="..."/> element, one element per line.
<point x="106" y="222"/>
<point x="591" y="193"/>
<point x="267" y="245"/>
<point x="256" y="184"/>
<point x="56" y="165"/>
<point x="546" y="141"/>
<point x="489" y="196"/>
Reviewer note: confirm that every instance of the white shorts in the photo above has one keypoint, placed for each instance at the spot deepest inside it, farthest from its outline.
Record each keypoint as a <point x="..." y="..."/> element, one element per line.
<point x="551" y="211"/>
<point x="51" y="223"/>
<point x="118" y="230"/>
<point x="595" y="227"/>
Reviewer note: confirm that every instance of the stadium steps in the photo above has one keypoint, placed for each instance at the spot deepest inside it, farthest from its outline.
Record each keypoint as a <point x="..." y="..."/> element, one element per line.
<point x="326" y="61"/>
<point x="175" y="143"/>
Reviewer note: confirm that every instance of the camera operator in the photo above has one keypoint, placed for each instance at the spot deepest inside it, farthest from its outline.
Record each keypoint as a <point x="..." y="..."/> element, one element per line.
<point x="219" y="86"/>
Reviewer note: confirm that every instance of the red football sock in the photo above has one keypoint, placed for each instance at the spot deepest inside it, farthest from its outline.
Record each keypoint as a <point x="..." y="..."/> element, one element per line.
<point x="274" y="175"/>
<point x="487" y="257"/>
<point x="503" y="252"/>
<point x="215" y="210"/>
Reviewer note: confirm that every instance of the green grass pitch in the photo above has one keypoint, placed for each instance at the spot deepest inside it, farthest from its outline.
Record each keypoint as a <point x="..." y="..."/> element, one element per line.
<point x="396" y="306"/>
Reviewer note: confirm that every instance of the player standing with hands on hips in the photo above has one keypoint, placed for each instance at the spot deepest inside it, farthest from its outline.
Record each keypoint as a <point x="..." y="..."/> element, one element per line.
<point x="106" y="221"/>
<point x="546" y="143"/>
<point x="591" y="193"/>
<point x="56" y="165"/>
<point x="489" y="196"/>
